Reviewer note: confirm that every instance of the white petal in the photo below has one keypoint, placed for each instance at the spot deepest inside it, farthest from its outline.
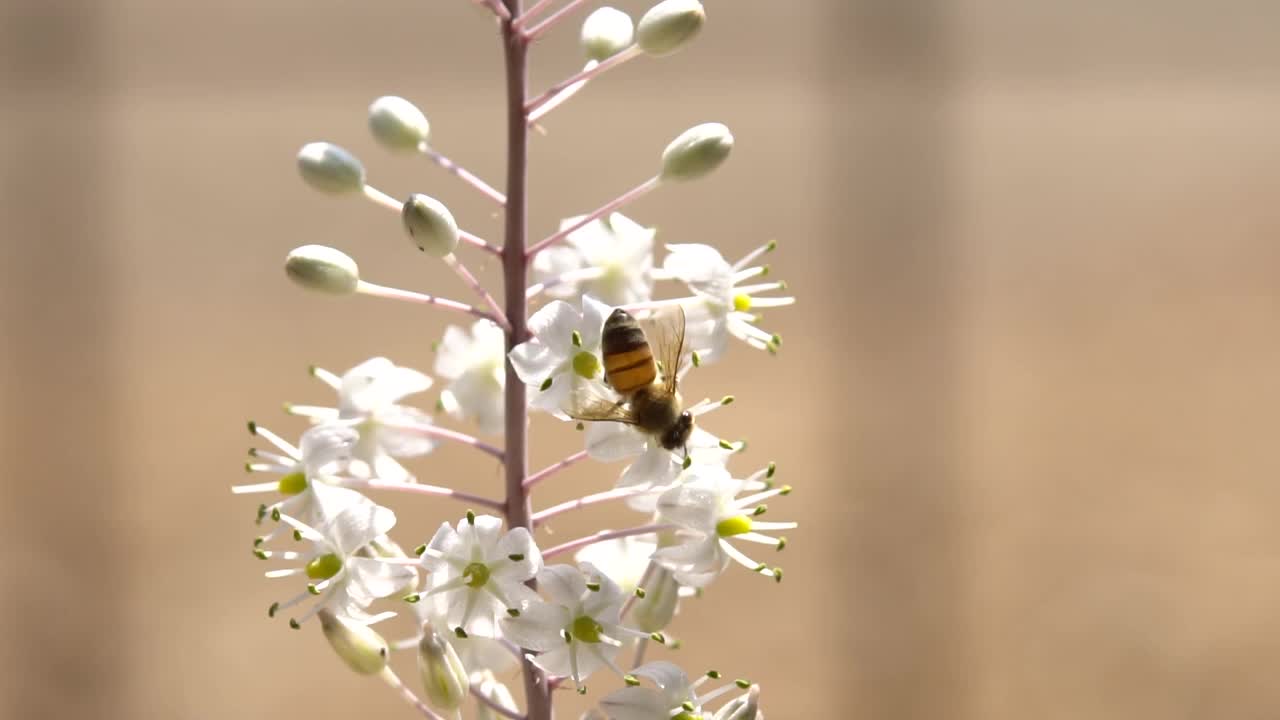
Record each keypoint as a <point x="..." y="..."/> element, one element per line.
<point x="358" y="524"/>
<point x="594" y="313"/>
<point x="451" y="354"/>
<point x="534" y="361"/>
<point x="325" y="444"/>
<point x="483" y="534"/>
<point x="701" y="266"/>
<point x="609" y="441"/>
<point x="538" y="627"/>
<point x="656" y="466"/>
<point x="637" y="703"/>
<point x="564" y="584"/>
<point x="556" y="660"/>
<point x="603" y="604"/>
<point x="692" y="507"/>
<point x="519" y="542"/>
<point x="397" y="441"/>
<point x="377" y="578"/>
<point x="666" y="675"/>
<point x="446" y="543"/>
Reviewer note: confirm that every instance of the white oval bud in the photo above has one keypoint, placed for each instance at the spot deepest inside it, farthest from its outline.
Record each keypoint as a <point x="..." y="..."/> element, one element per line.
<point x="606" y="32"/>
<point x="444" y="679"/>
<point x="398" y="124"/>
<point x="697" y="151"/>
<point x="360" y="647"/>
<point x="329" y="168"/>
<point x="321" y="268"/>
<point x="655" y="610"/>
<point x="669" y="25"/>
<point x="496" y="692"/>
<point x="430" y="225"/>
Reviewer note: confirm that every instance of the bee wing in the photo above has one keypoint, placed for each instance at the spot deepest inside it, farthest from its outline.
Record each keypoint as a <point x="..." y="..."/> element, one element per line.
<point x="589" y="402"/>
<point x="665" y="331"/>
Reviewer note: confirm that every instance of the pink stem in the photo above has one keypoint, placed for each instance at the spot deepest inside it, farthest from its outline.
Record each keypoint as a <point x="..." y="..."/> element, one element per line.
<point x="421" y="489"/>
<point x="464" y="175"/>
<point x="454" y="435"/>
<point x="461" y="270"/>
<point x="390" y="293"/>
<point x="595" y="499"/>
<point x="636" y="192"/>
<point x="602" y="536"/>
<point x="610" y="63"/>
<point x="532" y="33"/>
<point x="550" y="470"/>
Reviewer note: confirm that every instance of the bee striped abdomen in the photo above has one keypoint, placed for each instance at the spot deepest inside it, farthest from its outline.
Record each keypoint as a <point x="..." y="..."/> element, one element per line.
<point x="628" y="361"/>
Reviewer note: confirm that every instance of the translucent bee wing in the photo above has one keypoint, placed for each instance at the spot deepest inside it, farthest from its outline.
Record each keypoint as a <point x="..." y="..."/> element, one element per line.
<point x="589" y="402"/>
<point x="664" y="329"/>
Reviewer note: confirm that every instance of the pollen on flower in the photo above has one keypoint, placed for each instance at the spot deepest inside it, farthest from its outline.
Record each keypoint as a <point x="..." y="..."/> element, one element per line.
<point x="293" y="483"/>
<point x="477" y="574"/>
<point x="324" y="566"/>
<point x="736" y="525"/>
<point x="586" y="365"/>
<point x="742" y="302"/>
<point x="585" y="629"/>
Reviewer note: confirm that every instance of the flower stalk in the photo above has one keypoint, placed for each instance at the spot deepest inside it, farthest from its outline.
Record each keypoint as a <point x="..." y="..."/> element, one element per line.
<point x="515" y="266"/>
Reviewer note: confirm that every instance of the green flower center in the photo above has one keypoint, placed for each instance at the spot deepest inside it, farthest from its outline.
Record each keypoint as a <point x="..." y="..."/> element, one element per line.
<point x="324" y="567"/>
<point x="742" y="302"/>
<point x="585" y="629"/>
<point x="586" y="364"/>
<point x="477" y="574"/>
<point x="292" y="484"/>
<point x="684" y="716"/>
<point x="736" y="525"/>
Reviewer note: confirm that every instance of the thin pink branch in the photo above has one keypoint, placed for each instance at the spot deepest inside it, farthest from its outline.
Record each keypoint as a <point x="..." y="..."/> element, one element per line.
<point x="586" y="501"/>
<point x="464" y="175"/>
<point x="390" y="293"/>
<point x="550" y="470"/>
<point x="530" y="12"/>
<point x="467" y="277"/>
<point x="602" y="536"/>
<point x="446" y="434"/>
<point x="532" y="33"/>
<point x="586" y="74"/>
<point x="638" y="191"/>
<point x="477" y="241"/>
<point x="423" y="489"/>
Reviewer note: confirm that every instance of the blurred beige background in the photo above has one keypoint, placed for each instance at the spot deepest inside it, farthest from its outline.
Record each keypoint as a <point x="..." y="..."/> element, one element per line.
<point x="1029" y="399"/>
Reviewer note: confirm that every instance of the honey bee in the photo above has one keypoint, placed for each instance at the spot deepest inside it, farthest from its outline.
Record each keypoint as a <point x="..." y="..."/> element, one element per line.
<point x="641" y="362"/>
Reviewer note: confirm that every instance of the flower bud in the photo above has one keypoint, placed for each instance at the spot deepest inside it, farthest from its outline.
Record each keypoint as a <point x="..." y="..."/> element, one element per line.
<point x="606" y="32"/>
<point x="398" y="124"/>
<point x="430" y="224"/>
<point x="697" y="152"/>
<point x="496" y="692"/>
<point x="321" y="268"/>
<point x="444" y="679"/>
<point x="360" y="647"/>
<point x="669" y="25"/>
<point x="329" y="168"/>
<point x="655" y="610"/>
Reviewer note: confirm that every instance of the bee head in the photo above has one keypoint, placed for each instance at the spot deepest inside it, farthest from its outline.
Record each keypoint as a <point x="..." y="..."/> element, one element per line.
<point x="677" y="436"/>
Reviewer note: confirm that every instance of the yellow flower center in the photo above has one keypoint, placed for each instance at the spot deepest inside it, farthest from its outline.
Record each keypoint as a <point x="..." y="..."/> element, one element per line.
<point x="742" y="302"/>
<point x="477" y="574"/>
<point x="736" y="525"/>
<point x="324" y="567"/>
<point x="292" y="484"/>
<point x="586" y="364"/>
<point x="585" y="629"/>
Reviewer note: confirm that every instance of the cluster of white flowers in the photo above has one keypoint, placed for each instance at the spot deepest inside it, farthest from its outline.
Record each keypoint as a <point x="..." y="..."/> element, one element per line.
<point x="486" y="598"/>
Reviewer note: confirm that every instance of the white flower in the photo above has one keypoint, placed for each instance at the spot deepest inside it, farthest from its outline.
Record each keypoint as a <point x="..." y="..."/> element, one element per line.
<point x="344" y="573"/>
<point x="626" y="561"/>
<point x="367" y="401"/>
<point x="654" y="466"/>
<point x="475" y="362"/>
<point x="623" y="559"/>
<point x="480" y="651"/>
<point x="610" y="258"/>
<point x="709" y="515"/>
<point x="308" y="473"/>
<point x="672" y="698"/>
<point x="579" y="631"/>
<point x="562" y="353"/>
<point x="478" y="571"/>
<point x="721" y="303"/>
